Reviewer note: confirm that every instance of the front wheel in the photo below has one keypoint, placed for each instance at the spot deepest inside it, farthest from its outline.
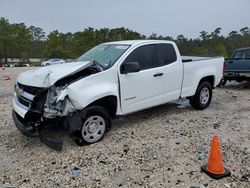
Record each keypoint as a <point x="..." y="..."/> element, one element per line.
<point x="202" y="97"/>
<point x="94" y="125"/>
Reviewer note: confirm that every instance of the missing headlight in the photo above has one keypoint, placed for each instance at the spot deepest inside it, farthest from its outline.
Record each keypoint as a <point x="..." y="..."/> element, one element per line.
<point x="52" y="107"/>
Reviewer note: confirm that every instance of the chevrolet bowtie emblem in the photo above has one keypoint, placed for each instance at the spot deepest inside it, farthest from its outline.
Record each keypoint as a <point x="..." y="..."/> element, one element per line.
<point x="18" y="91"/>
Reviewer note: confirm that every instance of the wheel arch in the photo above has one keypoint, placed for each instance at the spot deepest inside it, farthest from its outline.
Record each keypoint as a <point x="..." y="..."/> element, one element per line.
<point x="210" y="79"/>
<point x="110" y="103"/>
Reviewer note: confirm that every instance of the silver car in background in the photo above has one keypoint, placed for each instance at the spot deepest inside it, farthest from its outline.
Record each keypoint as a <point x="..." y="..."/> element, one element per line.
<point x="52" y="62"/>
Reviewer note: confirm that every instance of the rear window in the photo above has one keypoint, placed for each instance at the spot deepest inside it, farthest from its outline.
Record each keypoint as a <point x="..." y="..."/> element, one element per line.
<point x="166" y="54"/>
<point x="242" y="54"/>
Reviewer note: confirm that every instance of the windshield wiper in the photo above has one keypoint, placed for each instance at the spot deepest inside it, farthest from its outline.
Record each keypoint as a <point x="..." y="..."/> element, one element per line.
<point x="109" y="64"/>
<point x="98" y="64"/>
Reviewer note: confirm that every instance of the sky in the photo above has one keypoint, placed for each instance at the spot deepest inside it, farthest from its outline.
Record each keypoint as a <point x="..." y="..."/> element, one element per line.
<point x="164" y="17"/>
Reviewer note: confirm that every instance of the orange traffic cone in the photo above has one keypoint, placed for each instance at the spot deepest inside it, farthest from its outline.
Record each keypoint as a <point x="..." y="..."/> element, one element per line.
<point x="215" y="168"/>
<point x="6" y="77"/>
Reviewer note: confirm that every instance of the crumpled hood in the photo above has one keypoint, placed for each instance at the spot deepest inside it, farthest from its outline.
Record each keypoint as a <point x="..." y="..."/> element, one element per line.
<point x="47" y="76"/>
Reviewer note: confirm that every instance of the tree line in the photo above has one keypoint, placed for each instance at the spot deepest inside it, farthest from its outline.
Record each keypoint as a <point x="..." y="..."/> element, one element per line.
<point x="22" y="42"/>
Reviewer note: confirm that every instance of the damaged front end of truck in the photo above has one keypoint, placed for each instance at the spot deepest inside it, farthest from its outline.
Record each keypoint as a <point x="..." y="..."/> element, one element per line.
<point x="36" y="108"/>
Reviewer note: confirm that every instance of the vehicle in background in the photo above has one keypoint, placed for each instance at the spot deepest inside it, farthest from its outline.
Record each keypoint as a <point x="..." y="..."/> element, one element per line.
<point x="19" y="65"/>
<point x="13" y="65"/>
<point x="237" y="67"/>
<point x="52" y="62"/>
<point x="112" y="79"/>
<point x="6" y="65"/>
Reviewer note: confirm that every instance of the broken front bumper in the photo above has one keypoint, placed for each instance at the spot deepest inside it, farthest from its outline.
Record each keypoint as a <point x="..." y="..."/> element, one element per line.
<point x="30" y="131"/>
<point x="19" y="113"/>
<point x="22" y="126"/>
<point x="28" y="118"/>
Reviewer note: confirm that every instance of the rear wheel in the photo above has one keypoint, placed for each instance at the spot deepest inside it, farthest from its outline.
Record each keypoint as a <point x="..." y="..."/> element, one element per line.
<point x="202" y="97"/>
<point x="94" y="126"/>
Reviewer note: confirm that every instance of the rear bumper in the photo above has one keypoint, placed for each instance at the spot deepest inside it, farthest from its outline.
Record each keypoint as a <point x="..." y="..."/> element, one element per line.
<point x="237" y="74"/>
<point x="240" y="76"/>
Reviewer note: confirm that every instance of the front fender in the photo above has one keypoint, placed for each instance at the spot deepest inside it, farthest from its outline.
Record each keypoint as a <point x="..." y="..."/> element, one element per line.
<point x="85" y="96"/>
<point x="87" y="90"/>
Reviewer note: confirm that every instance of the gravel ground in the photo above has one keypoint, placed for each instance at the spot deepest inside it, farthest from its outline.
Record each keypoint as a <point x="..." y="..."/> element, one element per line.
<point x="163" y="146"/>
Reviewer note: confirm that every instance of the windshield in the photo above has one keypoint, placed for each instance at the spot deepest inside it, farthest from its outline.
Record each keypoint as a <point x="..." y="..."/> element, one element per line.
<point x="105" y="54"/>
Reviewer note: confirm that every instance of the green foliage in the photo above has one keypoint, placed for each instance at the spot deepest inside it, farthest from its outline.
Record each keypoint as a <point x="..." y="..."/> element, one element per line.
<point x="71" y="46"/>
<point x="214" y="43"/>
<point x="15" y="40"/>
<point x="220" y="50"/>
<point x="37" y="42"/>
<point x="5" y="39"/>
<point x="200" y="51"/>
<point x="19" y="41"/>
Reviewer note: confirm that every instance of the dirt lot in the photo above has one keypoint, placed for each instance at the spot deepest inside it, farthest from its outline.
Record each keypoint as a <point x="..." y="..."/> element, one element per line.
<point x="161" y="147"/>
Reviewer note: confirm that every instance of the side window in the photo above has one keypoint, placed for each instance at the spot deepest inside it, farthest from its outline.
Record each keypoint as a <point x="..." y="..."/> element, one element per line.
<point x="247" y="54"/>
<point x="166" y="54"/>
<point x="238" y="54"/>
<point x="145" y="56"/>
<point x="242" y="54"/>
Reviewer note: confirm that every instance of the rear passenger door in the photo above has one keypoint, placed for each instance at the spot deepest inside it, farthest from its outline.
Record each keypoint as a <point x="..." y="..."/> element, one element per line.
<point x="145" y="88"/>
<point x="173" y="70"/>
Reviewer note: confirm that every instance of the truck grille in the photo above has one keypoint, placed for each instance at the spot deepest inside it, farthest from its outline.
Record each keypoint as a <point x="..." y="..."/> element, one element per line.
<point x="29" y="95"/>
<point x="30" y="89"/>
<point x="24" y="101"/>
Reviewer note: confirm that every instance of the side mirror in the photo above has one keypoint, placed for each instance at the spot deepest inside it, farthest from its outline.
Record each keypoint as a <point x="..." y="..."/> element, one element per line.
<point x="129" y="67"/>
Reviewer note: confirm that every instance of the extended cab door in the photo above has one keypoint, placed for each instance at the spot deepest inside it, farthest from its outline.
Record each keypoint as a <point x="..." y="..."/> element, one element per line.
<point x="143" y="89"/>
<point x="173" y="70"/>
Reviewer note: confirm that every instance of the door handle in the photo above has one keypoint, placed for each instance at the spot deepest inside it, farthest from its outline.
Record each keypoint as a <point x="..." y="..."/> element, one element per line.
<point x="158" y="74"/>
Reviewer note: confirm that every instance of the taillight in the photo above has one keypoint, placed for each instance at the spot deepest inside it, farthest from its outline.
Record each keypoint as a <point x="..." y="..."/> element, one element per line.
<point x="224" y="68"/>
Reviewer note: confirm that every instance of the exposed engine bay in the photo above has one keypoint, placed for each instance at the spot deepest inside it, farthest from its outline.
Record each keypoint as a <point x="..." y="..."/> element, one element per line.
<point x="57" y="104"/>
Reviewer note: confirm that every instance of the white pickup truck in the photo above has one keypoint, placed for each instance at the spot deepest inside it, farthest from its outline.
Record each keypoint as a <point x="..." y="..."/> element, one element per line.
<point x="112" y="79"/>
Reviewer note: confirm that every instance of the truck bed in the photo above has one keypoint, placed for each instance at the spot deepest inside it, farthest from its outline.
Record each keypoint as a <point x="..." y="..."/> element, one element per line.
<point x="186" y="59"/>
<point x="199" y="67"/>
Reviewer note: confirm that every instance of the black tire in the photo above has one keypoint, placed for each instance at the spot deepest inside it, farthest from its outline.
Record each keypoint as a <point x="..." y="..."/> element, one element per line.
<point x="47" y="64"/>
<point x="90" y="113"/>
<point x="199" y="102"/>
